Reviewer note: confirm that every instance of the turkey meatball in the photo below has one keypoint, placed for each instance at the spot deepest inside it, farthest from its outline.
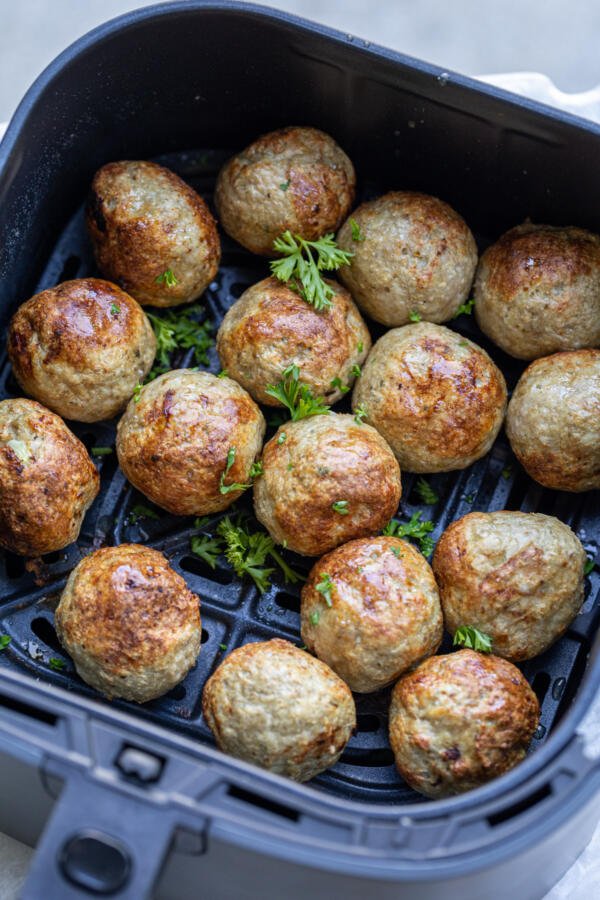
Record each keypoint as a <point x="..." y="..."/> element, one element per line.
<point x="538" y="290"/>
<point x="152" y="233"/>
<point x="129" y="622"/>
<point x="371" y="611"/>
<point x="516" y="576"/>
<point x="413" y="254"/>
<point x="553" y="420"/>
<point x="81" y="347"/>
<point x="295" y="178"/>
<point x="187" y="439"/>
<point x="460" y="720"/>
<point x="436" y="397"/>
<point x="271" y="327"/>
<point x="326" y="479"/>
<point x="47" y="480"/>
<point x="273" y="705"/>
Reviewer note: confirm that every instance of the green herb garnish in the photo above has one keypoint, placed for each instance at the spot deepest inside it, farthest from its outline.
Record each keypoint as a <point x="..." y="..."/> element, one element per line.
<point x="223" y="374"/>
<point x="296" y="396"/>
<point x="207" y="548"/>
<point x="416" y="529"/>
<point x="356" y="370"/>
<point x="341" y="507"/>
<point x="589" y="565"/>
<point x="302" y="263"/>
<point x="257" y="469"/>
<point x="56" y="663"/>
<point x="465" y="309"/>
<point x="281" y="437"/>
<point x="337" y="385"/>
<point x="5" y="640"/>
<point x="222" y="646"/>
<point x="247" y="551"/>
<point x="284" y="185"/>
<point x="414" y="316"/>
<point x="325" y="587"/>
<point x="360" y="413"/>
<point x="167" y="278"/>
<point x="357" y="234"/>
<point x="472" y="638"/>
<point x="314" y="617"/>
<point x="137" y="392"/>
<point x="114" y="309"/>
<point x="426" y="492"/>
<point x="180" y="330"/>
<point x="236" y="485"/>
<point x="140" y="511"/>
<point x="360" y="347"/>
<point x="506" y="472"/>
<point x="101" y="451"/>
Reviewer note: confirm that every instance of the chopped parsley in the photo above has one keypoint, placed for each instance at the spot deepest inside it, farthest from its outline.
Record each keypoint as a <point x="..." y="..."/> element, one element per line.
<point x="247" y="551"/>
<point x="281" y="437"/>
<point x="223" y="374"/>
<point x="314" y="617"/>
<point x="236" y="485"/>
<point x="360" y="347"/>
<point x="167" y="278"/>
<point x="414" y="316"/>
<point x="357" y="234"/>
<point x="302" y="262"/>
<point x="360" y="413"/>
<point x="356" y="370"/>
<point x="222" y="646"/>
<point x="416" y="529"/>
<point x="338" y="386"/>
<point x="180" y="330"/>
<point x="140" y="511"/>
<point x="257" y="469"/>
<point x="207" y="548"/>
<point x="296" y="396"/>
<point x="589" y="565"/>
<point x="506" y="472"/>
<point x="57" y="663"/>
<point x="137" y="392"/>
<point x="472" y="638"/>
<point x="325" y="587"/>
<point x="5" y="640"/>
<point x="465" y="309"/>
<point x="114" y="309"/>
<point x="101" y="451"/>
<point x="341" y="507"/>
<point x="426" y="492"/>
<point x="285" y="185"/>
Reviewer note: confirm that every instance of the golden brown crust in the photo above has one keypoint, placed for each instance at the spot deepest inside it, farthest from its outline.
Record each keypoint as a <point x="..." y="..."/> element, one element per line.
<point x="271" y="327"/>
<point x="518" y="577"/>
<point x="173" y="443"/>
<point x="295" y="178"/>
<point x="81" y="347"/>
<point x="553" y="420"/>
<point x="130" y="622"/>
<point x="323" y="460"/>
<point x="417" y="256"/>
<point x="436" y="397"/>
<point x="460" y="720"/>
<point x="538" y="290"/>
<point x="271" y="704"/>
<point x="144" y="220"/>
<point x="385" y="614"/>
<point x="47" y="480"/>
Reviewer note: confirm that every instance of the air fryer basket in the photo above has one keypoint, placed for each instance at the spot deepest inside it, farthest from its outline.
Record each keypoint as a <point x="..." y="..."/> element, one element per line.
<point x="179" y="81"/>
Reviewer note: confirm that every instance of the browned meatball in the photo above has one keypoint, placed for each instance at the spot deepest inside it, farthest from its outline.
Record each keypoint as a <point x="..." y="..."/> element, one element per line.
<point x="326" y="480"/>
<point x="414" y="254"/>
<point x="553" y="420"/>
<point x="273" y="705"/>
<point x="436" y="397"/>
<point x="516" y="576"/>
<point x="460" y="720"/>
<point x="271" y="327"/>
<point x="187" y="438"/>
<point x="295" y="178"/>
<point x="538" y="290"/>
<point x="152" y="233"/>
<point x="129" y="622"/>
<point x="81" y="347"/>
<point x="47" y="480"/>
<point x="371" y="610"/>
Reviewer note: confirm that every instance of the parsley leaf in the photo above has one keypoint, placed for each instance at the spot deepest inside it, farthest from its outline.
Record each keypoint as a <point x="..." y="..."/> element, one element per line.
<point x="236" y="485"/>
<point x="222" y="646"/>
<point x="207" y="548"/>
<point x="465" y="309"/>
<point x="472" y="638"/>
<point x="57" y="663"/>
<point x="247" y="551"/>
<point x="314" y="617"/>
<point x="139" y="511"/>
<point x="337" y="385"/>
<point x="360" y="413"/>
<point x="506" y="472"/>
<point x="360" y="346"/>
<point x="285" y="185"/>
<point x="114" y="309"/>
<point x="282" y="437"/>
<point x="167" y="278"/>
<point x="325" y="587"/>
<point x="341" y="507"/>
<point x="356" y="370"/>
<point x="257" y="469"/>
<point x="101" y="451"/>
<point x="415" y="529"/>
<point x="303" y="261"/>
<point x="137" y="392"/>
<point x="5" y="640"/>
<point x="296" y="396"/>
<point x="414" y="316"/>
<point x="357" y="234"/>
<point x="180" y="330"/>
<point x="426" y="492"/>
<point x="223" y="374"/>
<point x="589" y="565"/>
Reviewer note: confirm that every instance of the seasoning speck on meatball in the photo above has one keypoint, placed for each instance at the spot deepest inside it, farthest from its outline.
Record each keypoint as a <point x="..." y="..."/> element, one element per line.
<point x="129" y="622"/>
<point x="553" y="420"/>
<point x="537" y="290"/>
<point x="436" y="397"/>
<point x="81" y="347"/>
<point x="276" y="706"/>
<point x="326" y="479"/>
<point x="187" y="439"/>
<point x="518" y="577"/>
<point x="295" y="179"/>
<point x="416" y="257"/>
<point x="460" y="720"/>
<point x="271" y="327"/>
<point x="371" y="611"/>
<point x="152" y="233"/>
<point x="47" y="480"/>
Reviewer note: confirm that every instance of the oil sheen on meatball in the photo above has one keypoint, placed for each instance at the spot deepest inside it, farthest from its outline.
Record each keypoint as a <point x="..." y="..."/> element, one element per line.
<point x="537" y="290"/>
<point x="553" y="420"/>
<point x="413" y="254"/>
<point x="296" y="178"/>
<point x="516" y="576"/>
<point x="81" y="347"/>
<point x="380" y="615"/>
<point x="271" y="327"/>
<point x="436" y="397"/>
<point x="186" y="438"/>
<point x="276" y="706"/>
<point x="152" y="233"/>
<point x="129" y="622"/>
<point x="47" y="480"/>
<point x="326" y="480"/>
<point x="460" y="720"/>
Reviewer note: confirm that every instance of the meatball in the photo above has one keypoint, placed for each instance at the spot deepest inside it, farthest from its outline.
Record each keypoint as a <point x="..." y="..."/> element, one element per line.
<point x="273" y="705"/>
<point x="47" y="480"/>
<point x="187" y="439"/>
<point x="326" y="479"/>
<point x="414" y="255"/>
<point x="294" y="178"/>
<point x="81" y="347"/>
<point x="129" y="622"/>
<point x="371" y="610"/>
<point x="436" y="397"/>
<point x="516" y="576"/>
<point x="152" y="233"/>
<point x="460" y="720"/>
<point x="538" y="290"/>
<point x="271" y="327"/>
<point x="553" y="420"/>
